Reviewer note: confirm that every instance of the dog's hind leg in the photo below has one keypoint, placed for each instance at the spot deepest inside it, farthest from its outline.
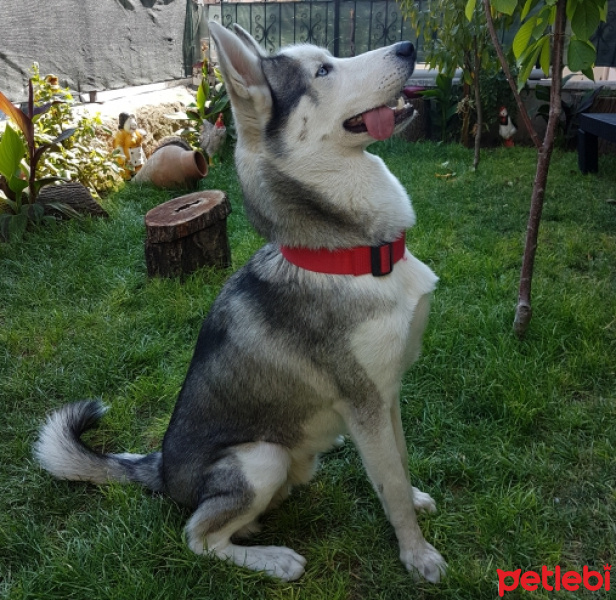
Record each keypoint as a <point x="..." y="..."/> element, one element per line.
<point x="238" y="491"/>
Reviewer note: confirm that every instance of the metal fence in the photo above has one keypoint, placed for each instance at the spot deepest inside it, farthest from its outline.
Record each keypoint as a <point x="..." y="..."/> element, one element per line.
<point x="345" y="27"/>
<point x="350" y="27"/>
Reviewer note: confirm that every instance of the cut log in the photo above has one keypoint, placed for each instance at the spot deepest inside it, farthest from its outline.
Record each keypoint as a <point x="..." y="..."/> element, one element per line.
<point x="73" y="195"/>
<point x="187" y="233"/>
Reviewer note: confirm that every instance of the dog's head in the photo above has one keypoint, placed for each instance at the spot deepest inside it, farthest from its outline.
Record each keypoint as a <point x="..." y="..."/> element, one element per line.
<point x="303" y="119"/>
<point x="303" y="93"/>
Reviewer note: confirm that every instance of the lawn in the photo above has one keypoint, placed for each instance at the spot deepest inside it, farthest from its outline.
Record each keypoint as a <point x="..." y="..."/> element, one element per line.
<point x="515" y="440"/>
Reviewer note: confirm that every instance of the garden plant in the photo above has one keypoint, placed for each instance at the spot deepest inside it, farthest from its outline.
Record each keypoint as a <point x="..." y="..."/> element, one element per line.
<point x="210" y="101"/>
<point x="49" y="146"/>
<point x="18" y="167"/>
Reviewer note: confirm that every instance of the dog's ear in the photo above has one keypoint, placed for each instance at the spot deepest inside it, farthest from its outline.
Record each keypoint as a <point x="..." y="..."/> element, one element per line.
<point x="240" y="60"/>
<point x="248" y="40"/>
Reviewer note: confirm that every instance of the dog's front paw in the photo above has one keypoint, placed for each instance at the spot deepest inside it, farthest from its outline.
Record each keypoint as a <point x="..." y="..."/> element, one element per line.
<point x="426" y="561"/>
<point x="276" y="561"/>
<point x="423" y="502"/>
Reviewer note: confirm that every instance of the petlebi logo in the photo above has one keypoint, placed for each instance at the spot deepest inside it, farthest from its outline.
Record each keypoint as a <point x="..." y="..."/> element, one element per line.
<point x="554" y="580"/>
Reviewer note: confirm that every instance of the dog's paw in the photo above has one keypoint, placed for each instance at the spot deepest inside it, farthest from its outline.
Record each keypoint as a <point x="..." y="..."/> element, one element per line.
<point x="339" y="441"/>
<point x="423" y="502"/>
<point x="425" y="561"/>
<point x="276" y="561"/>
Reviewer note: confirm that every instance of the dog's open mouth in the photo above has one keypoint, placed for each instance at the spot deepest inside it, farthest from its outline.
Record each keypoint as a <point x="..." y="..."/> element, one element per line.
<point x="381" y="122"/>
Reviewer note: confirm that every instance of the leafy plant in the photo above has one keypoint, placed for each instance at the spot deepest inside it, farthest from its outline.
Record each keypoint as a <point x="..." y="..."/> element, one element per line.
<point x="210" y="101"/>
<point x="18" y="166"/>
<point x="456" y="37"/>
<point x="83" y="157"/>
<point x="445" y="103"/>
<point x="570" y="110"/>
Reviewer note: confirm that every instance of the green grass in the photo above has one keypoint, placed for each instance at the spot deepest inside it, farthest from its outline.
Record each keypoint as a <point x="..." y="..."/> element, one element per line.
<point x="515" y="440"/>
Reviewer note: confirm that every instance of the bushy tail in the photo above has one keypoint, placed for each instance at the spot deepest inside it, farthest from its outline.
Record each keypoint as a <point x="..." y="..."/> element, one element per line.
<point x="60" y="451"/>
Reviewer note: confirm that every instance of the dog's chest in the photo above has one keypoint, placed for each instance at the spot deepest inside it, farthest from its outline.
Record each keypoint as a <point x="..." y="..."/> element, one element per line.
<point x="387" y="344"/>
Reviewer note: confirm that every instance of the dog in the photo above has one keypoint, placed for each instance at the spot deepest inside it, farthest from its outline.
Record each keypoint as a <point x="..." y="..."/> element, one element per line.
<point x="310" y="339"/>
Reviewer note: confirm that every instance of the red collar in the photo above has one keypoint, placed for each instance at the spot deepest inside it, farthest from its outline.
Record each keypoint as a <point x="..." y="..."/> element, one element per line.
<point x="362" y="260"/>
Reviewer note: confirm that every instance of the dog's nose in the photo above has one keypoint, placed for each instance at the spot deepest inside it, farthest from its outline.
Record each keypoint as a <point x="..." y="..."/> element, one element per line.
<point x="405" y="50"/>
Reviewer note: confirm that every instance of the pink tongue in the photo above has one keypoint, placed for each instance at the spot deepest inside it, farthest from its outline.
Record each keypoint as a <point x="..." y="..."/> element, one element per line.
<point x="380" y="122"/>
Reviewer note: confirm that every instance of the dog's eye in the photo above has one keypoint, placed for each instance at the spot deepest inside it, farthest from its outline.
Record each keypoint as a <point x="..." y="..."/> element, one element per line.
<point x="324" y="70"/>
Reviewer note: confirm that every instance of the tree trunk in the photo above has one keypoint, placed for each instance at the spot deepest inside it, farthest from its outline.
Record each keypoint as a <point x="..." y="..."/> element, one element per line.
<point x="464" y="107"/>
<point x="524" y="309"/>
<point x="478" y="107"/>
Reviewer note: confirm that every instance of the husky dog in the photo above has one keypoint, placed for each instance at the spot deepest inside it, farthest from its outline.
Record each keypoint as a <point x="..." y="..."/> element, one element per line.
<point x="297" y="349"/>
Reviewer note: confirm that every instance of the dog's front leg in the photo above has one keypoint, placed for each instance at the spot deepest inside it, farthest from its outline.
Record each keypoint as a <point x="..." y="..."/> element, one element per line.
<point x="376" y="439"/>
<point x="421" y="501"/>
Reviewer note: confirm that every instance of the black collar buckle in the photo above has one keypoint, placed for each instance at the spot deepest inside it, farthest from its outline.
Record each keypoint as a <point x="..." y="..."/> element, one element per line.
<point x="382" y="259"/>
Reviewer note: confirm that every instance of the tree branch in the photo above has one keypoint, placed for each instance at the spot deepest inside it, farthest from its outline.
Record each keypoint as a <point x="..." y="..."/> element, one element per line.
<point x="512" y="82"/>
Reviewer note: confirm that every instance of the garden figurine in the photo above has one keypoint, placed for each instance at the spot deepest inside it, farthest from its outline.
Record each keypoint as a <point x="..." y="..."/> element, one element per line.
<point x="129" y="138"/>
<point x="213" y="137"/>
<point x="506" y="128"/>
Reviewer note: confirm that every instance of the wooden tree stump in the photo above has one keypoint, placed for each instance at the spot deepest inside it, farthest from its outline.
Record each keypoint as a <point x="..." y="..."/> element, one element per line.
<point x="187" y="233"/>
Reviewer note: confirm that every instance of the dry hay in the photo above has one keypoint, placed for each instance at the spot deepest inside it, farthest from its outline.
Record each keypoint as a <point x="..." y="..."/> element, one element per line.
<point x="150" y="118"/>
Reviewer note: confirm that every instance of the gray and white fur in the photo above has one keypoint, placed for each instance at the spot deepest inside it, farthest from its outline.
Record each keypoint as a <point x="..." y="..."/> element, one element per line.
<point x="287" y="359"/>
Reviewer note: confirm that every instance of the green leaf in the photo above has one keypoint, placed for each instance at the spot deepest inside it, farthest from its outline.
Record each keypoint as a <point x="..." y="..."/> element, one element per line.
<point x="67" y="210"/>
<point x="203" y="94"/>
<point x="544" y="58"/>
<point x="14" y="227"/>
<point x="12" y="151"/>
<point x="43" y="108"/>
<point x="218" y="106"/>
<point x="5" y="220"/>
<point x="543" y="20"/>
<point x="470" y="9"/>
<point x="505" y="6"/>
<point x="526" y="9"/>
<point x="35" y="212"/>
<point x="552" y="16"/>
<point x="433" y="93"/>
<point x="67" y="133"/>
<point x="17" y="184"/>
<point x="523" y="36"/>
<point x="581" y="55"/>
<point x="527" y="62"/>
<point x="585" y="20"/>
<point x="451" y="111"/>
<point x="602" y="5"/>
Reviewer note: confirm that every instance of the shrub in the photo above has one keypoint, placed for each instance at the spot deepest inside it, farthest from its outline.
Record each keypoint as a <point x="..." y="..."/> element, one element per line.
<point x="84" y="157"/>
